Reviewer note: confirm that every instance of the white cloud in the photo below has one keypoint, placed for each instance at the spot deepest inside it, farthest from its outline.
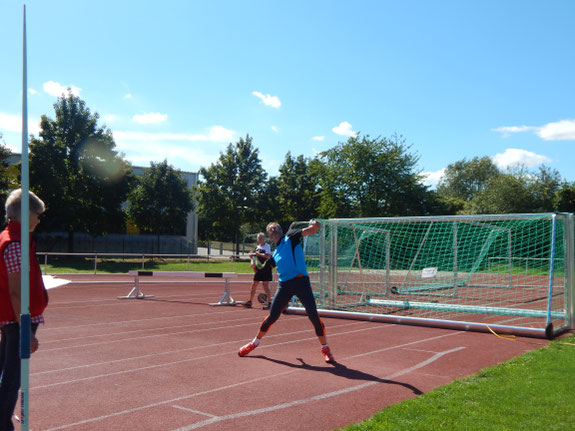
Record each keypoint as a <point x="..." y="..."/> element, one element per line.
<point x="151" y="118"/>
<point x="268" y="100"/>
<point x="56" y="89"/>
<point x="563" y="130"/>
<point x="215" y="134"/>
<point x="185" y="157"/>
<point x="318" y="138"/>
<point x="32" y="92"/>
<point x="432" y="178"/>
<point x="110" y="118"/>
<point x="184" y="151"/>
<point x="128" y="96"/>
<point x="507" y="131"/>
<point x="13" y="123"/>
<point x="275" y="129"/>
<point x="10" y="123"/>
<point x="344" y="129"/>
<point x="220" y="134"/>
<point x="516" y="157"/>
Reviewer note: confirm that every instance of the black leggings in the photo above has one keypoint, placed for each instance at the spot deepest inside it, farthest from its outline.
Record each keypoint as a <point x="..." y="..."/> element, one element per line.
<point x="300" y="287"/>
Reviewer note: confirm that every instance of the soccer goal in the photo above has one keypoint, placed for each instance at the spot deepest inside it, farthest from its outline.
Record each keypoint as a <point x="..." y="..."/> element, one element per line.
<point x="501" y="273"/>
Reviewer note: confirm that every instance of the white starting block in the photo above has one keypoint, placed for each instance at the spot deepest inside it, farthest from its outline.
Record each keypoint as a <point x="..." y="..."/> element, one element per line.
<point x="136" y="293"/>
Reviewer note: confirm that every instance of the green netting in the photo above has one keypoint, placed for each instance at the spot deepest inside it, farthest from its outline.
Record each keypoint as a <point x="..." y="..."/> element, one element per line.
<point x="496" y="269"/>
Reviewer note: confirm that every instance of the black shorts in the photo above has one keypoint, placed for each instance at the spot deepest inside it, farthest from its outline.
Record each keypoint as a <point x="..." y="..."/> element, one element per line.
<point x="264" y="274"/>
<point x="301" y="288"/>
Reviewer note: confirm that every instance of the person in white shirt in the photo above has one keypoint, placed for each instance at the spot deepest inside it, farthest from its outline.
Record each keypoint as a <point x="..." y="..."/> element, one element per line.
<point x="262" y="270"/>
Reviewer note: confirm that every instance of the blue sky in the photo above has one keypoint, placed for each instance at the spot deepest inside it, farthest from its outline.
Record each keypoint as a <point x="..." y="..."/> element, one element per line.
<point x="181" y="79"/>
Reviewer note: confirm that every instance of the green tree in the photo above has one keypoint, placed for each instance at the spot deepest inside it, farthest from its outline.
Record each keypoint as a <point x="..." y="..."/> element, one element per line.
<point x="297" y="195"/>
<point x="463" y="179"/>
<point x="564" y="199"/>
<point x="366" y="177"/>
<point x="76" y="170"/>
<point x="161" y="201"/>
<point x="504" y="194"/>
<point x="517" y="191"/>
<point x="230" y="192"/>
<point x="268" y="204"/>
<point x="543" y="187"/>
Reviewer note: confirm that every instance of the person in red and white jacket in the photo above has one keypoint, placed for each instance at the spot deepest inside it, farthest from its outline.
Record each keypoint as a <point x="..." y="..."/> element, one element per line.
<point x="10" y="268"/>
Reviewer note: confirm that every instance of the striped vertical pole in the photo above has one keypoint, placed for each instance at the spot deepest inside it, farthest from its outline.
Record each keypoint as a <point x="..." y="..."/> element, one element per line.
<point x="549" y="324"/>
<point x="25" y="325"/>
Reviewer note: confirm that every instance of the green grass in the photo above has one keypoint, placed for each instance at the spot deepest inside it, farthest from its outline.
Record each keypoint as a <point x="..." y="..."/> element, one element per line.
<point x="534" y="391"/>
<point x="86" y="265"/>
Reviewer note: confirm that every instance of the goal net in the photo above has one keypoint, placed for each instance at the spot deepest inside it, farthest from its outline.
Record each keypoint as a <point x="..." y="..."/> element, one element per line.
<point x="510" y="273"/>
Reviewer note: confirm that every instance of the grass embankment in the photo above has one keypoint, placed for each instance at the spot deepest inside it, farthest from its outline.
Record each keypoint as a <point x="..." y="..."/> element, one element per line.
<point x="534" y="391"/>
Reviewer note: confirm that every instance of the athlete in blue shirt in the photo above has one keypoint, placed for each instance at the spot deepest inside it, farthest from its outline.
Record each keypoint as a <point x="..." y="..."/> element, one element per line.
<point x="293" y="280"/>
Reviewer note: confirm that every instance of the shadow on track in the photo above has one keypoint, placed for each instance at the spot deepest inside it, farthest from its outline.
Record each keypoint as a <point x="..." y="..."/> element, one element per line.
<point x="339" y="370"/>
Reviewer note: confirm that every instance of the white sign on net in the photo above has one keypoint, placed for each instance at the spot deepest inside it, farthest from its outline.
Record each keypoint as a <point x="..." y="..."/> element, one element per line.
<point x="428" y="272"/>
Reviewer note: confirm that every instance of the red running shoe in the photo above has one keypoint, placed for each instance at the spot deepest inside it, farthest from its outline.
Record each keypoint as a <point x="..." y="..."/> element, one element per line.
<point x="327" y="355"/>
<point x="244" y="350"/>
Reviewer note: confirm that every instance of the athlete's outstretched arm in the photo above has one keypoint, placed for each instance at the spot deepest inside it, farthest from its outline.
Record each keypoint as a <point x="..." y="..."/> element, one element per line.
<point x="311" y="229"/>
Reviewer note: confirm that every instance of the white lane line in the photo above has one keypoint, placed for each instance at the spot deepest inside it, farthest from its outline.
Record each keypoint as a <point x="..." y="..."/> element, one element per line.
<point x="231" y="386"/>
<point x="136" y="331"/>
<point x="50" y="329"/>
<point x="133" y="339"/>
<point x="167" y="364"/>
<point x="194" y="411"/>
<point x="317" y="397"/>
<point x="421" y="350"/>
<point x="219" y="344"/>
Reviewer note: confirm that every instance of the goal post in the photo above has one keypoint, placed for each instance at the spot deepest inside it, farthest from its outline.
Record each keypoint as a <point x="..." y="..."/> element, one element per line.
<point x="512" y="272"/>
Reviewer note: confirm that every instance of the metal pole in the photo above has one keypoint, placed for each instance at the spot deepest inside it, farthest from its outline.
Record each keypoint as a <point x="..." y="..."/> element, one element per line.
<point x="25" y="319"/>
<point x="387" y="263"/>
<point x="569" y="241"/>
<point x="323" y="287"/>
<point x="551" y="269"/>
<point x="433" y="323"/>
<point x="510" y="254"/>
<point x="333" y="264"/>
<point x="455" y="247"/>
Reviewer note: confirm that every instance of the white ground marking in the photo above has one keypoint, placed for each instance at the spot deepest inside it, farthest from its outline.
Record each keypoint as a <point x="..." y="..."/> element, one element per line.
<point x="317" y="397"/>
<point x="219" y="344"/>
<point x="51" y="329"/>
<point x="194" y="411"/>
<point x="136" y="331"/>
<point x="247" y="382"/>
<point x="167" y="364"/>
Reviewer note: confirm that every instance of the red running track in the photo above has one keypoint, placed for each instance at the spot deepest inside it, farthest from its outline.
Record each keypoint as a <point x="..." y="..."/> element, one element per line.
<point x="171" y="363"/>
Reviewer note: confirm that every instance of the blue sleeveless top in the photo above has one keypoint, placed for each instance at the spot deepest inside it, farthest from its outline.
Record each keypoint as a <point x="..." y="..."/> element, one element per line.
<point x="289" y="257"/>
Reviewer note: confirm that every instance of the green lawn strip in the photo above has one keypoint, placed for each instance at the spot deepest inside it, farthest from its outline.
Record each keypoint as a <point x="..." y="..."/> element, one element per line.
<point x="534" y="391"/>
<point x="118" y="266"/>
